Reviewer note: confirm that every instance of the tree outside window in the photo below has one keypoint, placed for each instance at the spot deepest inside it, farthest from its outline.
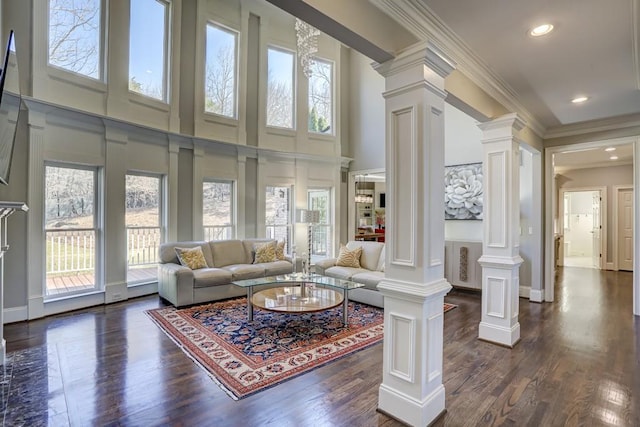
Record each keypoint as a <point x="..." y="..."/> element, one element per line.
<point x="148" y="47"/>
<point x="217" y="210"/>
<point x="280" y="99"/>
<point x="321" y="97"/>
<point x="74" y="36"/>
<point x="220" y="71"/>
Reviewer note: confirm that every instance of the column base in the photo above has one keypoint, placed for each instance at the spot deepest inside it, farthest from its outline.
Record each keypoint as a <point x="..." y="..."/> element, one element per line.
<point x="507" y="337"/>
<point x="410" y="411"/>
<point x="3" y="351"/>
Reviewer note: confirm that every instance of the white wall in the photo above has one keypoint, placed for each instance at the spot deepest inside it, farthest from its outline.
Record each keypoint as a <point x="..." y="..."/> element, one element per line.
<point x="462" y="145"/>
<point x="527" y="227"/>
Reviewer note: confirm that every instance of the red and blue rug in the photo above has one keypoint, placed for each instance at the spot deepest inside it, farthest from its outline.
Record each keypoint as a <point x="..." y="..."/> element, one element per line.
<point x="244" y="358"/>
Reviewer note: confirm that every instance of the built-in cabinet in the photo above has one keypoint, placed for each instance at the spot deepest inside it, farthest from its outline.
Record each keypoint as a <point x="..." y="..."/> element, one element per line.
<point x="461" y="268"/>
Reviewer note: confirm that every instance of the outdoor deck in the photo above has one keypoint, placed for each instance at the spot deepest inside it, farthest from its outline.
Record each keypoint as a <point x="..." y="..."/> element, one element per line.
<point x="75" y="282"/>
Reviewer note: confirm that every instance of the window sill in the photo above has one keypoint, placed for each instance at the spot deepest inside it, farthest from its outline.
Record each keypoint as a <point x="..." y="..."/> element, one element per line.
<point x="146" y="101"/>
<point x="76" y="79"/>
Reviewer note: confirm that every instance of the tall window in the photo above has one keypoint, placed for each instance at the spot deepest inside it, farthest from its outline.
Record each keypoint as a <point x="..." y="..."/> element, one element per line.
<point x="220" y="75"/>
<point x="75" y="36"/>
<point x="321" y="97"/>
<point x="71" y="230"/>
<point x="278" y="215"/>
<point x="320" y="200"/>
<point x="280" y="84"/>
<point x="148" y="41"/>
<point x="143" y="218"/>
<point x="218" y="217"/>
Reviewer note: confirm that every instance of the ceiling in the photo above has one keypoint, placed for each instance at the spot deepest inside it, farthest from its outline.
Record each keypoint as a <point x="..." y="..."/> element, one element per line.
<point x="592" y="51"/>
<point x="593" y="157"/>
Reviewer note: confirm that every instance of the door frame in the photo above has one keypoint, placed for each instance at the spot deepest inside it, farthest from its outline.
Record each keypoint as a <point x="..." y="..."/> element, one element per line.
<point x="551" y="208"/>
<point x="603" y="219"/>
<point x="616" y="213"/>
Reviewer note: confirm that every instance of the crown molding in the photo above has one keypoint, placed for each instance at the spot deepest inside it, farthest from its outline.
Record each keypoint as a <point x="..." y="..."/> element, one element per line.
<point x="613" y="123"/>
<point x="420" y="20"/>
<point x="635" y="22"/>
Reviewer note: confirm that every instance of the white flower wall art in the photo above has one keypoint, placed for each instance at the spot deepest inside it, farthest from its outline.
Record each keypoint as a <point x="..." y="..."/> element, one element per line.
<point x="463" y="191"/>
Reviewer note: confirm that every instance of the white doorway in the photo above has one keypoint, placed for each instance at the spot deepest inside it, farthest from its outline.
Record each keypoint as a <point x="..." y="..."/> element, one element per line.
<point x="623" y="228"/>
<point x="582" y="231"/>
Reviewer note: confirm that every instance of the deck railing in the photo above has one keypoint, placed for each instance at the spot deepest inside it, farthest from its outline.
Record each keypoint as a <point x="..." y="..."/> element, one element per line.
<point x="218" y="232"/>
<point x="70" y="250"/>
<point x="143" y="245"/>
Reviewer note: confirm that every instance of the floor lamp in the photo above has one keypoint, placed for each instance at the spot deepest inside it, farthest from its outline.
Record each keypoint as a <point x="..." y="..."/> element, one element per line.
<point x="309" y="217"/>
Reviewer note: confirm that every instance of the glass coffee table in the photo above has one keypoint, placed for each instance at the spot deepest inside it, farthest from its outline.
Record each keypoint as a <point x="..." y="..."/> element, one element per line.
<point x="298" y="293"/>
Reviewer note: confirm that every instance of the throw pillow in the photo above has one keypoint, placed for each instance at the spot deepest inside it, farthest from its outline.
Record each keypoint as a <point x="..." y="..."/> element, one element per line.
<point x="280" y="251"/>
<point x="347" y="258"/>
<point x="191" y="257"/>
<point x="265" y="252"/>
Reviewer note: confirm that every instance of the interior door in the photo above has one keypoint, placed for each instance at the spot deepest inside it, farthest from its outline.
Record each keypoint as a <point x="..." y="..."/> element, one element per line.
<point x="625" y="230"/>
<point x="596" y="253"/>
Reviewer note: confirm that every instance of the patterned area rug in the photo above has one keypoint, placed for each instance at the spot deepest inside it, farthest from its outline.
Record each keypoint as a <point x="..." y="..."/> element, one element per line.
<point x="244" y="358"/>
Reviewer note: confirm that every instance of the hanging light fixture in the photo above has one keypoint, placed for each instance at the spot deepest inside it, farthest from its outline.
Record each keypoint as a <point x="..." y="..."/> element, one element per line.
<point x="307" y="43"/>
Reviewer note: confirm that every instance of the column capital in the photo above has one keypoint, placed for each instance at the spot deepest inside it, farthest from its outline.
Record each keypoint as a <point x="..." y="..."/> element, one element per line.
<point x="502" y="127"/>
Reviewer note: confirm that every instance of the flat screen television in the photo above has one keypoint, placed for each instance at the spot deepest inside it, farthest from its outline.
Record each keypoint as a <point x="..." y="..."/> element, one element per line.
<point x="9" y="112"/>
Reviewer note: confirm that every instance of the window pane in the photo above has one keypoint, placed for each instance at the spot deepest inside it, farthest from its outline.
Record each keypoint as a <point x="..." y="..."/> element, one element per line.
<point x="278" y="214"/>
<point x="70" y="231"/>
<point x="74" y="36"/>
<point x="217" y="210"/>
<point x="144" y="226"/>
<point x="321" y="97"/>
<point x="320" y="200"/>
<point x="280" y="89"/>
<point x="147" y="47"/>
<point x="220" y="72"/>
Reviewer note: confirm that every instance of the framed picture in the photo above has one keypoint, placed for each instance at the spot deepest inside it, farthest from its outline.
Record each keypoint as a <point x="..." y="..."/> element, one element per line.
<point x="463" y="191"/>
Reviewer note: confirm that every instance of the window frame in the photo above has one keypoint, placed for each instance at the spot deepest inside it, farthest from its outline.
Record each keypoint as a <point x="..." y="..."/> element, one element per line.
<point x="97" y="227"/>
<point x="290" y="225"/>
<point x="236" y="74"/>
<point x="234" y="207"/>
<point x="333" y="97"/>
<point x="328" y="226"/>
<point x="294" y="91"/>
<point x="166" y="69"/>
<point x="102" y="45"/>
<point x="162" y="216"/>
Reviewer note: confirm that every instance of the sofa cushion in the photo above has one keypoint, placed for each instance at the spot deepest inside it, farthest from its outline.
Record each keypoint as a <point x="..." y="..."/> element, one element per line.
<point x="369" y="279"/>
<point x="249" y="249"/>
<point x="349" y="257"/>
<point x="192" y="258"/>
<point x="280" y="251"/>
<point x="370" y="253"/>
<point x="227" y="252"/>
<point x="381" y="260"/>
<point x="245" y="271"/>
<point x="277" y="267"/>
<point x="211" y="277"/>
<point x="168" y="251"/>
<point x="344" y="273"/>
<point x="264" y="252"/>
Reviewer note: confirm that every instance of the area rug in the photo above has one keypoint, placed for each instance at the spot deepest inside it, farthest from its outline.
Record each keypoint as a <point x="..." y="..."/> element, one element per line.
<point x="244" y="358"/>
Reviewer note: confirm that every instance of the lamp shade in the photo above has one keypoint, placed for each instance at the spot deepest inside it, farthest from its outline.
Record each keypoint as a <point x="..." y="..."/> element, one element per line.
<point x="307" y="216"/>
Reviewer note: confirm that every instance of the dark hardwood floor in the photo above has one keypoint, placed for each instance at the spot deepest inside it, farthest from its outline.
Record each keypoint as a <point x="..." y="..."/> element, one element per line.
<point x="578" y="363"/>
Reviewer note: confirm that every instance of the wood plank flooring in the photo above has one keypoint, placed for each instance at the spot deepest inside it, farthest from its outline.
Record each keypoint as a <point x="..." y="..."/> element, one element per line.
<point x="577" y="364"/>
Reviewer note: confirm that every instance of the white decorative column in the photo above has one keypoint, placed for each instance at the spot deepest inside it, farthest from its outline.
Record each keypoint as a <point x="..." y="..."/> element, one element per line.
<point x="414" y="286"/>
<point x="500" y="259"/>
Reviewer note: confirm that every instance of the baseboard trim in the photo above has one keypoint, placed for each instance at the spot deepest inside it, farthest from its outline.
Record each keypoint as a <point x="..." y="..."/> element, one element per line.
<point x="15" y="314"/>
<point x="524" y="292"/>
<point x="537" y="295"/>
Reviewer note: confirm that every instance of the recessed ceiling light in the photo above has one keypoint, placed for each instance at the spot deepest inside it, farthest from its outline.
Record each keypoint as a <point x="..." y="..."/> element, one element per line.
<point x="541" y="30"/>
<point x="610" y="149"/>
<point x="579" y="99"/>
<point x="613" y="158"/>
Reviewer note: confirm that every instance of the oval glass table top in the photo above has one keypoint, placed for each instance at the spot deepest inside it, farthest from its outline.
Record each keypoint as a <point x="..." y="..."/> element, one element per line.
<point x="297" y="299"/>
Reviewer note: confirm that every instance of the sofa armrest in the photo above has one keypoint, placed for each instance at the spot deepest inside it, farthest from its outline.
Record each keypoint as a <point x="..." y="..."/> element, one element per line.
<point x="175" y="284"/>
<point x="323" y="264"/>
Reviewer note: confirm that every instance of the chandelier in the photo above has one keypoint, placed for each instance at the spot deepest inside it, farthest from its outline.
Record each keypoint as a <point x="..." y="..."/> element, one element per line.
<point x="361" y="196"/>
<point x="307" y="43"/>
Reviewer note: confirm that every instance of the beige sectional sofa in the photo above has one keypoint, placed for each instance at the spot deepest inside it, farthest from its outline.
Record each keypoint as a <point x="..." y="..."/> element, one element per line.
<point x="370" y="273"/>
<point x="227" y="260"/>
